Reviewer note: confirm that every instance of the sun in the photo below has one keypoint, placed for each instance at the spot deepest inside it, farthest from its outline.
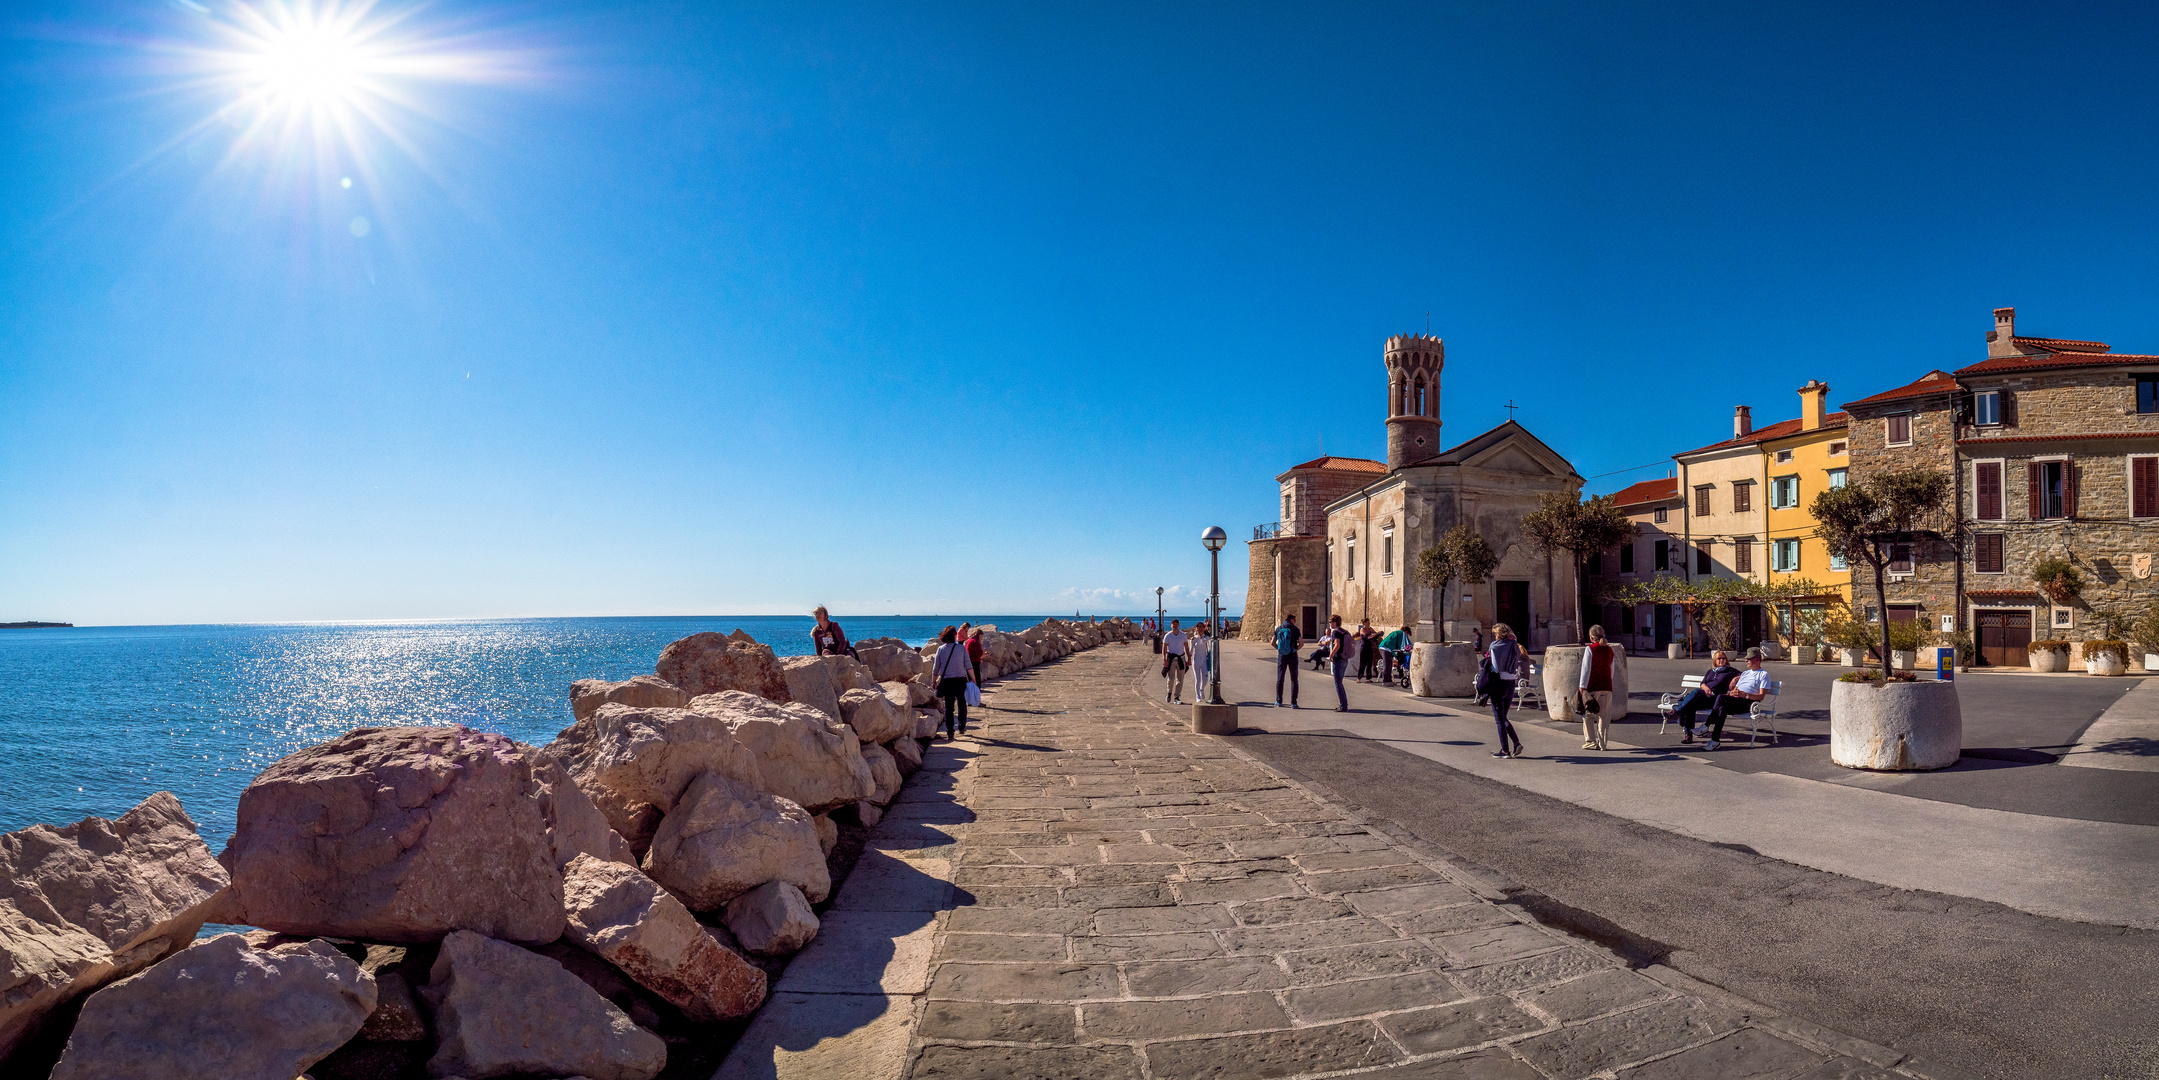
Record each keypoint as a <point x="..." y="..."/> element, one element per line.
<point x="308" y="64"/>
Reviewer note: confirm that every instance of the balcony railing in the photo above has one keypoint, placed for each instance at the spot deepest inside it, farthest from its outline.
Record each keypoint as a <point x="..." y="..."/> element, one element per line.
<point x="1275" y="530"/>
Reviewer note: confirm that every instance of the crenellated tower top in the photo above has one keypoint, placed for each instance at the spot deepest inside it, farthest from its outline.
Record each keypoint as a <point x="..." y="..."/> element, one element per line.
<point x="1414" y="362"/>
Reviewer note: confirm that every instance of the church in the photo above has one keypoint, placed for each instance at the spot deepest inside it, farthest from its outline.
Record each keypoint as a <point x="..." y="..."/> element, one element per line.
<point x="1351" y="528"/>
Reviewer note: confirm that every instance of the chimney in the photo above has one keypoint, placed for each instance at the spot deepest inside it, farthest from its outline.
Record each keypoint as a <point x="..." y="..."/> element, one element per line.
<point x="1742" y="422"/>
<point x="1813" y="404"/>
<point x="2003" y="340"/>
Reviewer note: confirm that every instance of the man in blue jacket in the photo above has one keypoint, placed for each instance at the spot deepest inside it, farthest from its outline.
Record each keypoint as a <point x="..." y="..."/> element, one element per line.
<point x="1286" y="642"/>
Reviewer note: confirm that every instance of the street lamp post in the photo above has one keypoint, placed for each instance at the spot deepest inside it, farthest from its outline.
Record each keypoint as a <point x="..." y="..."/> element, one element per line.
<point x="1214" y="538"/>
<point x="1158" y="618"/>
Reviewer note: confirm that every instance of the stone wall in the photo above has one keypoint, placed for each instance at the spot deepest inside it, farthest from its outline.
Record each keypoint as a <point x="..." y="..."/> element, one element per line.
<point x="1286" y="574"/>
<point x="1378" y="591"/>
<point x="1932" y="585"/>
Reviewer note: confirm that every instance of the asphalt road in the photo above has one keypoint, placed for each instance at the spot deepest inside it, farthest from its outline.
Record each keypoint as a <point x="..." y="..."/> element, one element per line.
<point x="1975" y="986"/>
<point x="2015" y="728"/>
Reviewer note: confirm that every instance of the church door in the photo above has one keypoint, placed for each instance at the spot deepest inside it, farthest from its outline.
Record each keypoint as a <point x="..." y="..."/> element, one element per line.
<point x="1513" y="603"/>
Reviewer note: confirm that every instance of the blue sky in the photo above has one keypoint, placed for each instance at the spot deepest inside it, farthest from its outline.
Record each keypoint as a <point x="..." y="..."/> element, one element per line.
<point x="989" y="308"/>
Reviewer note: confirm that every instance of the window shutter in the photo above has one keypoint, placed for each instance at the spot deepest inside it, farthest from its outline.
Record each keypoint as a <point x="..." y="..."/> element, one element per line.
<point x="2144" y="487"/>
<point x="2032" y="473"/>
<point x="1990" y="490"/>
<point x="2009" y="408"/>
<point x="2069" y="488"/>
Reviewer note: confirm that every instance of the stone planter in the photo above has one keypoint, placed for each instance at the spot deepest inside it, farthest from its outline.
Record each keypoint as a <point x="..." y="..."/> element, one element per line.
<point x="1449" y="670"/>
<point x="1802" y="654"/>
<point x="2050" y="659"/>
<point x="1904" y="659"/>
<point x="2151" y="661"/>
<point x="1675" y="651"/>
<point x="1563" y="675"/>
<point x="2104" y="664"/>
<point x="1895" y="726"/>
<point x="1771" y="651"/>
<point x="1852" y="657"/>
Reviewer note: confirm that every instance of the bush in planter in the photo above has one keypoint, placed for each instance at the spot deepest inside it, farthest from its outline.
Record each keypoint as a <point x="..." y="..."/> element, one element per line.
<point x="2048" y="645"/>
<point x="2059" y="579"/>
<point x="1869" y="675"/>
<point x="1851" y="635"/>
<point x="2103" y="647"/>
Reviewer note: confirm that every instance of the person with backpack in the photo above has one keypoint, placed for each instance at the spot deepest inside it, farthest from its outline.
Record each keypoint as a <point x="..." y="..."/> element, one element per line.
<point x="1504" y="665"/>
<point x="953" y="674"/>
<point x="1595" y="689"/>
<point x="1286" y="643"/>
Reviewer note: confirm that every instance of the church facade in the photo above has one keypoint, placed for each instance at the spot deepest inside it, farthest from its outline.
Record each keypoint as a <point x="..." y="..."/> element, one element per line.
<point x="1351" y="529"/>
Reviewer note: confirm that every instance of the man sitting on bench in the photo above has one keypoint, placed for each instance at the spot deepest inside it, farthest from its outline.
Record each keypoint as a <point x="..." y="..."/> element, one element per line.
<point x="1709" y="696"/>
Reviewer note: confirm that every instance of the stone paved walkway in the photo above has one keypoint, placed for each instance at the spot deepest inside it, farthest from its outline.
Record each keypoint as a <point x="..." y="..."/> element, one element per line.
<point x="1086" y="889"/>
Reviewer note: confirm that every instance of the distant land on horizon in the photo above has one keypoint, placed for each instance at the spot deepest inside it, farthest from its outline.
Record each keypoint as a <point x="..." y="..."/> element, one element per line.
<point x="31" y="625"/>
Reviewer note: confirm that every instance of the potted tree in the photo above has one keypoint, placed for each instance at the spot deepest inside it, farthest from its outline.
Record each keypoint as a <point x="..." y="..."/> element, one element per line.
<point x="2106" y="656"/>
<point x="1580" y="528"/>
<point x="1889" y="721"/>
<point x="2059" y="579"/>
<point x="1441" y="669"/>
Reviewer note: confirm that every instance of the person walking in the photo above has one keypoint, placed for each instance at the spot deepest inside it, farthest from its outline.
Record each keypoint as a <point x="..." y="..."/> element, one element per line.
<point x="1391" y="647"/>
<point x="950" y="668"/>
<point x="1505" y="663"/>
<point x="974" y="653"/>
<point x="1286" y="643"/>
<point x="1340" y="646"/>
<point x="826" y="638"/>
<point x="1596" y="691"/>
<point x="1202" y="659"/>
<point x="1174" y="661"/>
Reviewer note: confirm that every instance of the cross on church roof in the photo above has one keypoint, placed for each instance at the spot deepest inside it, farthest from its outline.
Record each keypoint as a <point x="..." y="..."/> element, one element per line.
<point x="1510" y="407"/>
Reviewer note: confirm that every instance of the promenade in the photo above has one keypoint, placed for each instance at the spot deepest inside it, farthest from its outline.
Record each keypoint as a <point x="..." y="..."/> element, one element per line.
<point x="1083" y="888"/>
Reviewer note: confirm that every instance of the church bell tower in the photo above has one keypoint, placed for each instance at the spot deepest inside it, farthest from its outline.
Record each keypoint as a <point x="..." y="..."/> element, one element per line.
<point x="1413" y="365"/>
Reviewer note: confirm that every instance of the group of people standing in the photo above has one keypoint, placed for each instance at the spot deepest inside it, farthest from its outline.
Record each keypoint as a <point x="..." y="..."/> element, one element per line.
<point x="1365" y="649"/>
<point x="956" y="667"/>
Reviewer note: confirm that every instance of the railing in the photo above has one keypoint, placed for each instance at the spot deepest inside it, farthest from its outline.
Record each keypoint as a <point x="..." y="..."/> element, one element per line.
<point x="1275" y="530"/>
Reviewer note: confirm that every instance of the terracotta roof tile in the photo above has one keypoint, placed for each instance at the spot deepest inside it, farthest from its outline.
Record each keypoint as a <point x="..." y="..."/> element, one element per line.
<point x="1779" y="430"/>
<point x="1647" y="491"/>
<point x="2002" y="365"/>
<point x="1345" y="464"/>
<point x="2062" y="344"/>
<point x="1933" y="382"/>
<point x="2081" y="436"/>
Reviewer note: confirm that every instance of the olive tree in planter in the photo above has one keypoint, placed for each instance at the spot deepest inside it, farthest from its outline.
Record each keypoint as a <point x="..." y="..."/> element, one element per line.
<point x="1581" y="528"/>
<point x="1889" y="722"/>
<point x="1441" y="669"/>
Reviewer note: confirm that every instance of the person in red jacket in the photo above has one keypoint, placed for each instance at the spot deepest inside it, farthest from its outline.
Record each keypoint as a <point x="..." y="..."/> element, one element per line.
<point x="974" y="654"/>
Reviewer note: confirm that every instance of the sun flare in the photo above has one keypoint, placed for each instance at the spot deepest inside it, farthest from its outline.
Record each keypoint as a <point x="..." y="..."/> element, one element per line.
<point x="309" y="64"/>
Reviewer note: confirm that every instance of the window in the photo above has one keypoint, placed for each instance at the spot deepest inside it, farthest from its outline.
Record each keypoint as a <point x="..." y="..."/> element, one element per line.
<point x="1286" y="514"/>
<point x="1784" y="493"/>
<point x="1898" y="430"/>
<point x="1987" y="490"/>
<point x="1784" y="557"/>
<point x="1386" y="552"/>
<point x="1836" y="562"/>
<point x="1660" y="515"/>
<point x="1701" y="501"/>
<point x="1784" y="457"/>
<point x="1987" y="553"/>
<point x="1987" y="408"/>
<point x="1349" y="560"/>
<point x="1662" y="555"/>
<point x="2065" y="618"/>
<point x="1743" y="554"/>
<point x="2144" y="487"/>
<point x="2148" y="393"/>
<point x="1742" y="496"/>
<point x="1626" y="559"/>
<point x="2051" y="489"/>
<point x="1900" y="558"/>
<point x="1837" y="449"/>
<point x="1836" y="478"/>
<point x="1701" y="559"/>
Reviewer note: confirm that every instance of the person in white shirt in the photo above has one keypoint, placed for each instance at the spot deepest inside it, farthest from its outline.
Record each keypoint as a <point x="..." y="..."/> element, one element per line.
<point x="1174" y="661"/>
<point x="1751" y="685"/>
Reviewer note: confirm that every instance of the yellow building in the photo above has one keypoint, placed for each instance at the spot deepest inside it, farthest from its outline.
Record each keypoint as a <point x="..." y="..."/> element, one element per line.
<point x="1800" y="464"/>
<point x="1746" y="505"/>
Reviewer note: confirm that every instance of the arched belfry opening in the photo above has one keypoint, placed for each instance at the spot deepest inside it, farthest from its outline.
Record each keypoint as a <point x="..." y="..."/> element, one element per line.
<point x="1414" y="363"/>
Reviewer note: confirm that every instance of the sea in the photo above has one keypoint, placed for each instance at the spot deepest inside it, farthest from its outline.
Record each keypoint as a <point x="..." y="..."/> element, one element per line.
<point x="106" y="716"/>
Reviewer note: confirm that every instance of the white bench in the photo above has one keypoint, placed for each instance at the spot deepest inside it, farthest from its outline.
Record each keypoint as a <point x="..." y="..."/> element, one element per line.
<point x="1761" y="712"/>
<point x="1529" y="689"/>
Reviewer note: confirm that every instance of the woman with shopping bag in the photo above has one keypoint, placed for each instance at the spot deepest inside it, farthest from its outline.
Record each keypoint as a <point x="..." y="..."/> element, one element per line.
<point x="955" y="679"/>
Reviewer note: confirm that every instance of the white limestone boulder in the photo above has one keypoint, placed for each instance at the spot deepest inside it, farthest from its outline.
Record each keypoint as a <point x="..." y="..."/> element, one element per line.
<point x="88" y="903"/>
<point x="885" y="771"/>
<point x="628" y="920"/>
<point x="810" y="682"/>
<point x="849" y="673"/>
<point x="640" y="692"/>
<point x="873" y="715"/>
<point x="724" y="839"/>
<point x="504" y="1011"/>
<point x="635" y="763"/>
<point x="222" y="1010"/>
<point x="710" y="663"/>
<point x="773" y="919"/>
<point x="403" y="834"/>
<point x="802" y="755"/>
<point x="397" y="1016"/>
<point x="927" y="721"/>
<point x="907" y="753"/>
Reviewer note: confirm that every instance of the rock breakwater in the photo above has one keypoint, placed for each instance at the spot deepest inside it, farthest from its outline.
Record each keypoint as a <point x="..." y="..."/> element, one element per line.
<point x="440" y="901"/>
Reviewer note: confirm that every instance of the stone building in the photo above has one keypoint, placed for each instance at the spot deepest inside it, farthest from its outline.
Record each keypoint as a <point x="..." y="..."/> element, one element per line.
<point x="2054" y="447"/>
<point x="1658" y="512"/>
<point x="1289" y="557"/>
<point x="1371" y="534"/>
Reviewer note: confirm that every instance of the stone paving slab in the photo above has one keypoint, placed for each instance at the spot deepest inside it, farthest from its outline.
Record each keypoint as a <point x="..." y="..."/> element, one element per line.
<point x="1087" y="889"/>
